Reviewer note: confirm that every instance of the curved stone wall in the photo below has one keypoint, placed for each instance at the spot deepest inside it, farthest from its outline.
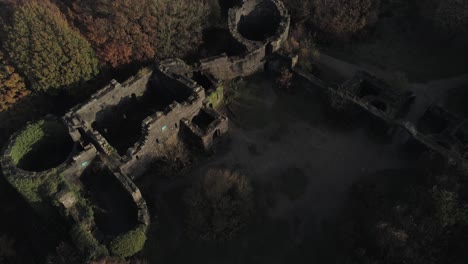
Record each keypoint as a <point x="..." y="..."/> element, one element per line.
<point x="258" y="47"/>
<point x="243" y="24"/>
<point x="74" y="159"/>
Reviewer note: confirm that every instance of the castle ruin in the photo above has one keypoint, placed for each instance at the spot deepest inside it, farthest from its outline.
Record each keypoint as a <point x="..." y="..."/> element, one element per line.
<point x="124" y="127"/>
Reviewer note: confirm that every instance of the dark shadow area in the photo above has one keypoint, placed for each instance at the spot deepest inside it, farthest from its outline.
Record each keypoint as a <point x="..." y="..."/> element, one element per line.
<point x="52" y="150"/>
<point x="121" y="125"/>
<point x="379" y="105"/>
<point x="203" y="120"/>
<point x="435" y="121"/>
<point x="115" y="213"/>
<point x="462" y="134"/>
<point x="261" y="23"/>
<point x="32" y="239"/>
<point x="219" y="40"/>
<point x="367" y="89"/>
<point x="225" y="5"/>
<point x="202" y="80"/>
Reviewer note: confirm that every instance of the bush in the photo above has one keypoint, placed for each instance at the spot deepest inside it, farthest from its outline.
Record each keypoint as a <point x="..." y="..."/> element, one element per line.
<point x="130" y="243"/>
<point x="343" y="18"/>
<point x="28" y="188"/>
<point x="219" y="205"/>
<point x="284" y="80"/>
<point x="85" y="242"/>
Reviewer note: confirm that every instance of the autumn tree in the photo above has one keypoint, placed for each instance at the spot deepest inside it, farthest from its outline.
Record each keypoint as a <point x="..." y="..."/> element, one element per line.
<point x="218" y="205"/>
<point x="343" y="18"/>
<point x="120" y="31"/>
<point x="128" y="31"/>
<point x="12" y="86"/>
<point x="46" y="49"/>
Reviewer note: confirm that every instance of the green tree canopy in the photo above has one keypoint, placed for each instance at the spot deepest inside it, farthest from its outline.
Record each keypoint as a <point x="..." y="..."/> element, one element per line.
<point x="46" y="49"/>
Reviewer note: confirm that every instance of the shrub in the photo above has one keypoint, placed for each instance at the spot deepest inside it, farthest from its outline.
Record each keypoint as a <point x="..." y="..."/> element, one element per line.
<point x="219" y="205"/>
<point x="28" y="188"/>
<point x="130" y="243"/>
<point x="86" y="242"/>
<point x="284" y="80"/>
<point x="50" y="53"/>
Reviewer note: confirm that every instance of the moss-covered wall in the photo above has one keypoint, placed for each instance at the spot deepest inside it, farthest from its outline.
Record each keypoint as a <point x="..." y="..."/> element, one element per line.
<point x="215" y="97"/>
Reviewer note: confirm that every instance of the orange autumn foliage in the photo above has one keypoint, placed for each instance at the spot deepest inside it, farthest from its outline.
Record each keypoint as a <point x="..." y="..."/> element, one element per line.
<point x="12" y="86"/>
<point x="120" y="31"/>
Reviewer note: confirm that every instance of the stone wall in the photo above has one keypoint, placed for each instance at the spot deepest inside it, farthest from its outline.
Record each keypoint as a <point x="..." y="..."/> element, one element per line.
<point x="446" y="142"/>
<point x="111" y="95"/>
<point x="204" y="137"/>
<point x="224" y="67"/>
<point x="163" y="126"/>
<point x="72" y="165"/>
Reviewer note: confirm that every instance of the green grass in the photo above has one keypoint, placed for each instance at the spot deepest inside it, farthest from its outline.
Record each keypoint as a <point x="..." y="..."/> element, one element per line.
<point x="40" y="141"/>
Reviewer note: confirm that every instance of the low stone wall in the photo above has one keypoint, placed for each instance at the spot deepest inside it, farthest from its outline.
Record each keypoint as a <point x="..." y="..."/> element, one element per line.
<point x="204" y="138"/>
<point x="452" y="153"/>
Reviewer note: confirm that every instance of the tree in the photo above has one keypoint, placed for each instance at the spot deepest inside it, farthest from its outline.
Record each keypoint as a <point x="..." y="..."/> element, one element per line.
<point x="43" y="46"/>
<point x="12" y="86"/>
<point x="343" y="18"/>
<point x="179" y="26"/>
<point x="421" y="223"/>
<point x="451" y="16"/>
<point x="218" y="205"/>
<point x="300" y="10"/>
<point x="128" y="31"/>
<point x="120" y="31"/>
